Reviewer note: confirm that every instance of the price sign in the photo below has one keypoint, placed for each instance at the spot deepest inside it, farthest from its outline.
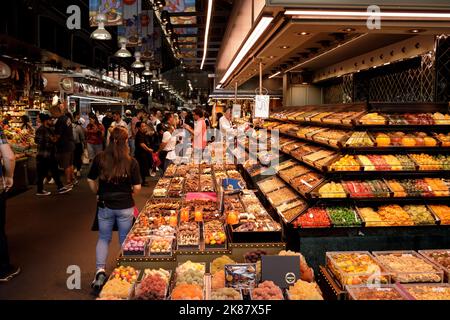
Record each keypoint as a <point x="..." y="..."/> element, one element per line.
<point x="284" y="271"/>
<point x="262" y="106"/>
<point x="236" y="111"/>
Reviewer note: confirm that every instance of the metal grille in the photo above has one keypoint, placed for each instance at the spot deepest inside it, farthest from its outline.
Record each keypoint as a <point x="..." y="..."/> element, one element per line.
<point x="443" y="69"/>
<point x="347" y="88"/>
<point x="333" y="94"/>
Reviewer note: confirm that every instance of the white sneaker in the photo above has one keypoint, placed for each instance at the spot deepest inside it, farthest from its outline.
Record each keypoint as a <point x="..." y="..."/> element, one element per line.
<point x="52" y="181"/>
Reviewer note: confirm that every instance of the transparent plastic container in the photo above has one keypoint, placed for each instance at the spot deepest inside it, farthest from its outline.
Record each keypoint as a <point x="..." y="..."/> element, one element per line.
<point x="375" y="292"/>
<point x="356" y="268"/>
<point x="429" y="291"/>
<point x="441" y="258"/>
<point x="409" y="267"/>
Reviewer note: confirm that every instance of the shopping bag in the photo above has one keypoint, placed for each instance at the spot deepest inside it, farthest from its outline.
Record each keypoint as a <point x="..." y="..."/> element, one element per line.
<point x="156" y="160"/>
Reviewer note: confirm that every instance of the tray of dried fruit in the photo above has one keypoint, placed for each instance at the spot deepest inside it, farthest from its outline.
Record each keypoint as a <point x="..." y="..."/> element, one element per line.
<point x="201" y="209"/>
<point x="427" y="291"/>
<point x="356" y="268"/>
<point x="376" y="292"/>
<point x="161" y="188"/>
<point x="329" y="190"/>
<point x="152" y="285"/>
<point x="343" y="216"/>
<point x="441" y="258"/>
<point x="288" y="174"/>
<point x="214" y="235"/>
<point x="262" y="230"/>
<point x="409" y="267"/>
<point x="291" y="146"/>
<point x="331" y="137"/>
<point x="120" y="285"/>
<point x="385" y="216"/>
<point x="171" y="171"/>
<point x="307" y="182"/>
<point x="433" y="163"/>
<point x="359" y="139"/>
<point x="315" y="217"/>
<point x="271" y="184"/>
<point x="319" y="159"/>
<point x="188" y="236"/>
<point x="441" y="212"/>
<point x="394" y="140"/>
<point x="290" y="210"/>
<point x="344" y="163"/>
<point x="386" y="163"/>
<point x="344" y="118"/>
<point x="366" y="189"/>
<point x="419" y="188"/>
<point x="192" y="183"/>
<point x="176" y="187"/>
<point x="444" y="139"/>
<point x="160" y="246"/>
<point x="266" y="290"/>
<point x="189" y="282"/>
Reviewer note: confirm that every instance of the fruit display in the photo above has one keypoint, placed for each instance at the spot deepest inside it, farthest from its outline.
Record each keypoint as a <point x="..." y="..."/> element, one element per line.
<point x="401" y="139"/>
<point x="218" y="264"/>
<point x="161" y="245"/>
<point x="320" y="116"/>
<point x="343" y="217"/>
<point x="116" y="289"/>
<point x="355" y="268"/>
<point x="316" y="156"/>
<point x="284" y="165"/>
<point x="440" y="258"/>
<point x="218" y="280"/>
<point x="372" y="119"/>
<point x="390" y="215"/>
<point x="303" y="290"/>
<point x="315" y="217"/>
<point x="442" y="212"/>
<point x="291" y="173"/>
<point x="214" y="234"/>
<point x="188" y="234"/>
<point x="306" y="132"/>
<point x="152" y="287"/>
<point x="190" y="273"/>
<point x="408" y="266"/>
<point x="366" y="189"/>
<point x="359" y="139"/>
<point x="341" y="117"/>
<point x="225" y="294"/>
<point x="444" y="160"/>
<point x="281" y="196"/>
<point x="426" y="162"/>
<point x="267" y="291"/>
<point x="299" y="153"/>
<point x="397" y="188"/>
<point x="332" y="190"/>
<point x="187" y="292"/>
<point x="428" y="291"/>
<point x="162" y="187"/>
<point x="379" y="292"/>
<point x="271" y="184"/>
<point x="306" y="182"/>
<point x="192" y="183"/>
<point x="331" y="137"/>
<point x="171" y="170"/>
<point x="444" y="139"/>
<point x="128" y="274"/>
<point x="442" y="119"/>
<point x="162" y="273"/>
<point x="346" y="163"/>
<point x="266" y="225"/>
<point x="134" y="245"/>
<point x="420" y="214"/>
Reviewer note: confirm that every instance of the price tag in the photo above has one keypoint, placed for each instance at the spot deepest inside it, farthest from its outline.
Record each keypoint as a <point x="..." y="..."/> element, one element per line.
<point x="262" y="106"/>
<point x="236" y="111"/>
<point x="438" y="290"/>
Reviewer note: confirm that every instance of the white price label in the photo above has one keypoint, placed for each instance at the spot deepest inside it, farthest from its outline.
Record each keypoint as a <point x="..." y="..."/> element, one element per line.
<point x="262" y="106"/>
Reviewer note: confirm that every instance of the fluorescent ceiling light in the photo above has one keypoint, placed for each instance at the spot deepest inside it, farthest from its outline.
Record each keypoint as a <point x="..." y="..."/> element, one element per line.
<point x="219" y="86"/>
<point x="274" y="75"/>
<point x="208" y="23"/>
<point x="254" y="36"/>
<point x="364" y="14"/>
<point x="326" y="52"/>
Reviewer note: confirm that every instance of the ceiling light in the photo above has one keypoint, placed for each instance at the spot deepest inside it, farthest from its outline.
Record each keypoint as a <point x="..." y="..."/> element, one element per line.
<point x="284" y="47"/>
<point x="348" y="30"/>
<point x="123" y="51"/>
<point x="137" y="64"/>
<point x="160" y="3"/>
<point x="417" y="30"/>
<point x="165" y="17"/>
<point x="208" y="24"/>
<point x="262" y="25"/>
<point x="147" y="71"/>
<point x="274" y="75"/>
<point x="303" y="33"/>
<point x="101" y="33"/>
<point x="324" y="14"/>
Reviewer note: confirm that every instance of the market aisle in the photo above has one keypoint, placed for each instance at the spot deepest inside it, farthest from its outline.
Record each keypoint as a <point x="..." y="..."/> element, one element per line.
<point x="46" y="235"/>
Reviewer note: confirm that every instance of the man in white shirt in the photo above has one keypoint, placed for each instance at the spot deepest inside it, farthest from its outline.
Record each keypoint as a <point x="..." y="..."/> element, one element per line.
<point x="118" y="121"/>
<point x="226" y="126"/>
<point x="169" y="142"/>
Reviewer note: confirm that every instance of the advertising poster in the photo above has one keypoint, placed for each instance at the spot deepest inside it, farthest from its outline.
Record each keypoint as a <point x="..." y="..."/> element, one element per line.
<point x="112" y="9"/>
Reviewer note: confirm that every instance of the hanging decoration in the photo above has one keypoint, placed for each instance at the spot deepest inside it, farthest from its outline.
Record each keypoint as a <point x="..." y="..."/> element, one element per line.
<point x="132" y="23"/>
<point x="112" y="9"/>
<point x="147" y="31"/>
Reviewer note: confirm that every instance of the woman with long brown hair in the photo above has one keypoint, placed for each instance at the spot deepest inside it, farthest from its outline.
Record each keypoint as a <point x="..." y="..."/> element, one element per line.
<point x="114" y="177"/>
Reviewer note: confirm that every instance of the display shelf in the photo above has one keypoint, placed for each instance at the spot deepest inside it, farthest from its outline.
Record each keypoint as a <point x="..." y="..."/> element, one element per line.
<point x="328" y="286"/>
